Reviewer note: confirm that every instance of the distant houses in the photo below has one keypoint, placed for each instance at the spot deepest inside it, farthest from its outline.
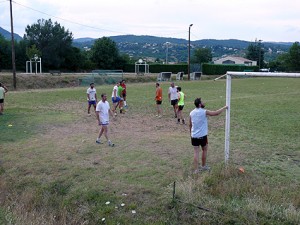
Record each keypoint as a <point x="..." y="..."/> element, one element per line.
<point x="235" y="60"/>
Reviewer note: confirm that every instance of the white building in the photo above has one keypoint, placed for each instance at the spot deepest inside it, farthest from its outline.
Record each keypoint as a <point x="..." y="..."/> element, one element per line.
<point x="235" y="60"/>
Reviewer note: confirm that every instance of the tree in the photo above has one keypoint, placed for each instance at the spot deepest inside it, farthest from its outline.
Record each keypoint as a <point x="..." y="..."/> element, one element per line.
<point x="256" y="53"/>
<point x="202" y="55"/>
<point x="294" y="57"/>
<point x="52" y="40"/>
<point x="105" y="54"/>
<point x="32" y="51"/>
<point x="5" y="53"/>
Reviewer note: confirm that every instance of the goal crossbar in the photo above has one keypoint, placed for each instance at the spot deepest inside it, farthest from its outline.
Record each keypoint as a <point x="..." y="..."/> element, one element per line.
<point x="228" y="75"/>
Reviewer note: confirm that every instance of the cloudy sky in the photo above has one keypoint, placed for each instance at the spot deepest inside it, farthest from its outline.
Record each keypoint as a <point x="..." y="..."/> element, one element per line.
<point x="267" y="20"/>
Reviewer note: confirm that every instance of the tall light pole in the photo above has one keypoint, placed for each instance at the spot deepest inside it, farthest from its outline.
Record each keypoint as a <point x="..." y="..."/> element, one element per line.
<point x="259" y="52"/>
<point x="13" y="48"/>
<point x="189" y="51"/>
<point x="167" y="44"/>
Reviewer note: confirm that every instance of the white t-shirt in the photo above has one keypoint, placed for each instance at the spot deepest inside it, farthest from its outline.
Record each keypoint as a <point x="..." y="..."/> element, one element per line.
<point x="115" y="88"/>
<point x="92" y="93"/>
<point x="173" y="92"/>
<point x="103" y="109"/>
<point x="199" y="123"/>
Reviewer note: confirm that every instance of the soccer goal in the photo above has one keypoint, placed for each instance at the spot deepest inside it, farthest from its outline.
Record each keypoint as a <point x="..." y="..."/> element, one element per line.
<point x="230" y="74"/>
<point x="100" y="77"/>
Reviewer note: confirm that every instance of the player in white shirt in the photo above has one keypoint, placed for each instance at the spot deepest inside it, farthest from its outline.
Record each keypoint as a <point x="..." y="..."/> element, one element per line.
<point x="115" y="98"/>
<point x="199" y="132"/>
<point x="173" y="97"/>
<point x="91" y="97"/>
<point x="102" y="111"/>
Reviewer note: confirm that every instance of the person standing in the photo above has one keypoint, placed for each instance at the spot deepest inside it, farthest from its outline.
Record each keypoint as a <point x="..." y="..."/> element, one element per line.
<point x="3" y="90"/>
<point x="181" y="97"/>
<point x="102" y="112"/>
<point x="120" y="93"/>
<point x="91" y="97"/>
<point x="115" y="98"/>
<point x="158" y="99"/>
<point x="173" y="97"/>
<point x="123" y="84"/>
<point x="199" y="132"/>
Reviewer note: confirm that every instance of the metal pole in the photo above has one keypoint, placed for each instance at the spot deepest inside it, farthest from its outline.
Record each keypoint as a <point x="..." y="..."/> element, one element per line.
<point x="13" y="48"/>
<point x="227" y="122"/>
<point x="189" y="51"/>
<point x="259" y="56"/>
<point x="167" y="52"/>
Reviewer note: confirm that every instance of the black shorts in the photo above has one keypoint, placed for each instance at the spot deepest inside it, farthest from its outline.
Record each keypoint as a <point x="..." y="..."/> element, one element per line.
<point x="1" y="100"/>
<point x="180" y="107"/>
<point x="174" y="102"/>
<point x="200" y="141"/>
<point x="158" y="102"/>
<point x="124" y="95"/>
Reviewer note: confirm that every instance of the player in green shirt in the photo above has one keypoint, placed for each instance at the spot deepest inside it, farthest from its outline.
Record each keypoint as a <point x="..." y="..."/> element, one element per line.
<point x="120" y="90"/>
<point x="181" y="97"/>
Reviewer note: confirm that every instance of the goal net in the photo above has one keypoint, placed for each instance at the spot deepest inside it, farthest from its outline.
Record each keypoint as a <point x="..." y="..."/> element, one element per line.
<point x="100" y="77"/>
<point x="230" y="74"/>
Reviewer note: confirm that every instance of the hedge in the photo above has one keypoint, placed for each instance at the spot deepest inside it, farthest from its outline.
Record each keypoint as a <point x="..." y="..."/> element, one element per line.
<point x="216" y="69"/>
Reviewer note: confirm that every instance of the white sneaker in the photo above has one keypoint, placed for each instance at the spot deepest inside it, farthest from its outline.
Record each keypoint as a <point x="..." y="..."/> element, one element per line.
<point x="111" y="144"/>
<point x="99" y="142"/>
<point x="204" y="168"/>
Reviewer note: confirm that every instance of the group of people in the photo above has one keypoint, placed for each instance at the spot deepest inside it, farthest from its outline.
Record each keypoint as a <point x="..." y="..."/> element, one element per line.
<point x="176" y="98"/>
<point x="198" y="123"/>
<point x="103" y="110"/>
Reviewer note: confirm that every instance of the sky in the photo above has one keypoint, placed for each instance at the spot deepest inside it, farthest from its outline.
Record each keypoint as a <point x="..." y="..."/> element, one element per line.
<point x="249" y="20"/>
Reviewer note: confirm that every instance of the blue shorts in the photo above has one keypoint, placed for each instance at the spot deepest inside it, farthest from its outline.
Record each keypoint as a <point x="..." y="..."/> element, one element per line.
<point x="105" y="123"/>
<point x="92" y="102"/>
<point x="117" y="99"/>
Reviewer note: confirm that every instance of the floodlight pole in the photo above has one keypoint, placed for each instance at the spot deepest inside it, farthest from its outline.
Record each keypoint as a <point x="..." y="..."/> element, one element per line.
<point x="13" y="59"/>
<point x="189" y="51"/>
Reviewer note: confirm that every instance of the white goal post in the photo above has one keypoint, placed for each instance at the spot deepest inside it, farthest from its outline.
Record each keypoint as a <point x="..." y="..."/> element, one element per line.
<point x="228" y="75"/>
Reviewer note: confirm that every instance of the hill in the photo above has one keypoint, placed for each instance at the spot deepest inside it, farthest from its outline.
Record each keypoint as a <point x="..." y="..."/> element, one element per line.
<point x="6" y="34"/>
<point x="152" y="47"/>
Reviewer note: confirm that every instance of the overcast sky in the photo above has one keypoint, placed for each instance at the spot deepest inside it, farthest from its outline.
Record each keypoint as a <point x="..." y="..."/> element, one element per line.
<point x="267" y="20"/>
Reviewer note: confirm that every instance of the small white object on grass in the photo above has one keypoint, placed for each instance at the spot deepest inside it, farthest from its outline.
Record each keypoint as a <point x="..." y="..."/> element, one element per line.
<point x="133" y="212"/>
<point x="107" y="203"/>
<point x="122" y="204"/>
<point x="103" y="219"/>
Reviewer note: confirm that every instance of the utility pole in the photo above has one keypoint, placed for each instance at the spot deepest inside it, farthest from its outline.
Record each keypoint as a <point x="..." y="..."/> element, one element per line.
<point x="189" y="51"/>
<point x="259" y="54"/>
<point x="13" y="58"/>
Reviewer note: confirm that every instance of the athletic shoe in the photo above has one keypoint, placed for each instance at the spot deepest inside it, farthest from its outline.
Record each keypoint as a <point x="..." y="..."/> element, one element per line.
<point x="111" y="144"/>
<point x="99" y="142"/>
<point x="115" y="114"/>
<point x="205" y="168"/>
<point x="157" y="115"/>
<point x="196" y="171"/>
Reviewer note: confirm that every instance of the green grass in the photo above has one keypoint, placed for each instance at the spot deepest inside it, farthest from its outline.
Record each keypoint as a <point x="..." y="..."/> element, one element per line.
<point x="53" y="173"/>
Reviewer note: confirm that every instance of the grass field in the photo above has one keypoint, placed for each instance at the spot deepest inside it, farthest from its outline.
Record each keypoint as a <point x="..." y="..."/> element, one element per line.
<point x="52" y="172"/>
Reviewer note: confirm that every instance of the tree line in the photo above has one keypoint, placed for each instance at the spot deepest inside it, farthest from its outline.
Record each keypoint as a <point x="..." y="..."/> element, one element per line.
<point x="54" y="44"/>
